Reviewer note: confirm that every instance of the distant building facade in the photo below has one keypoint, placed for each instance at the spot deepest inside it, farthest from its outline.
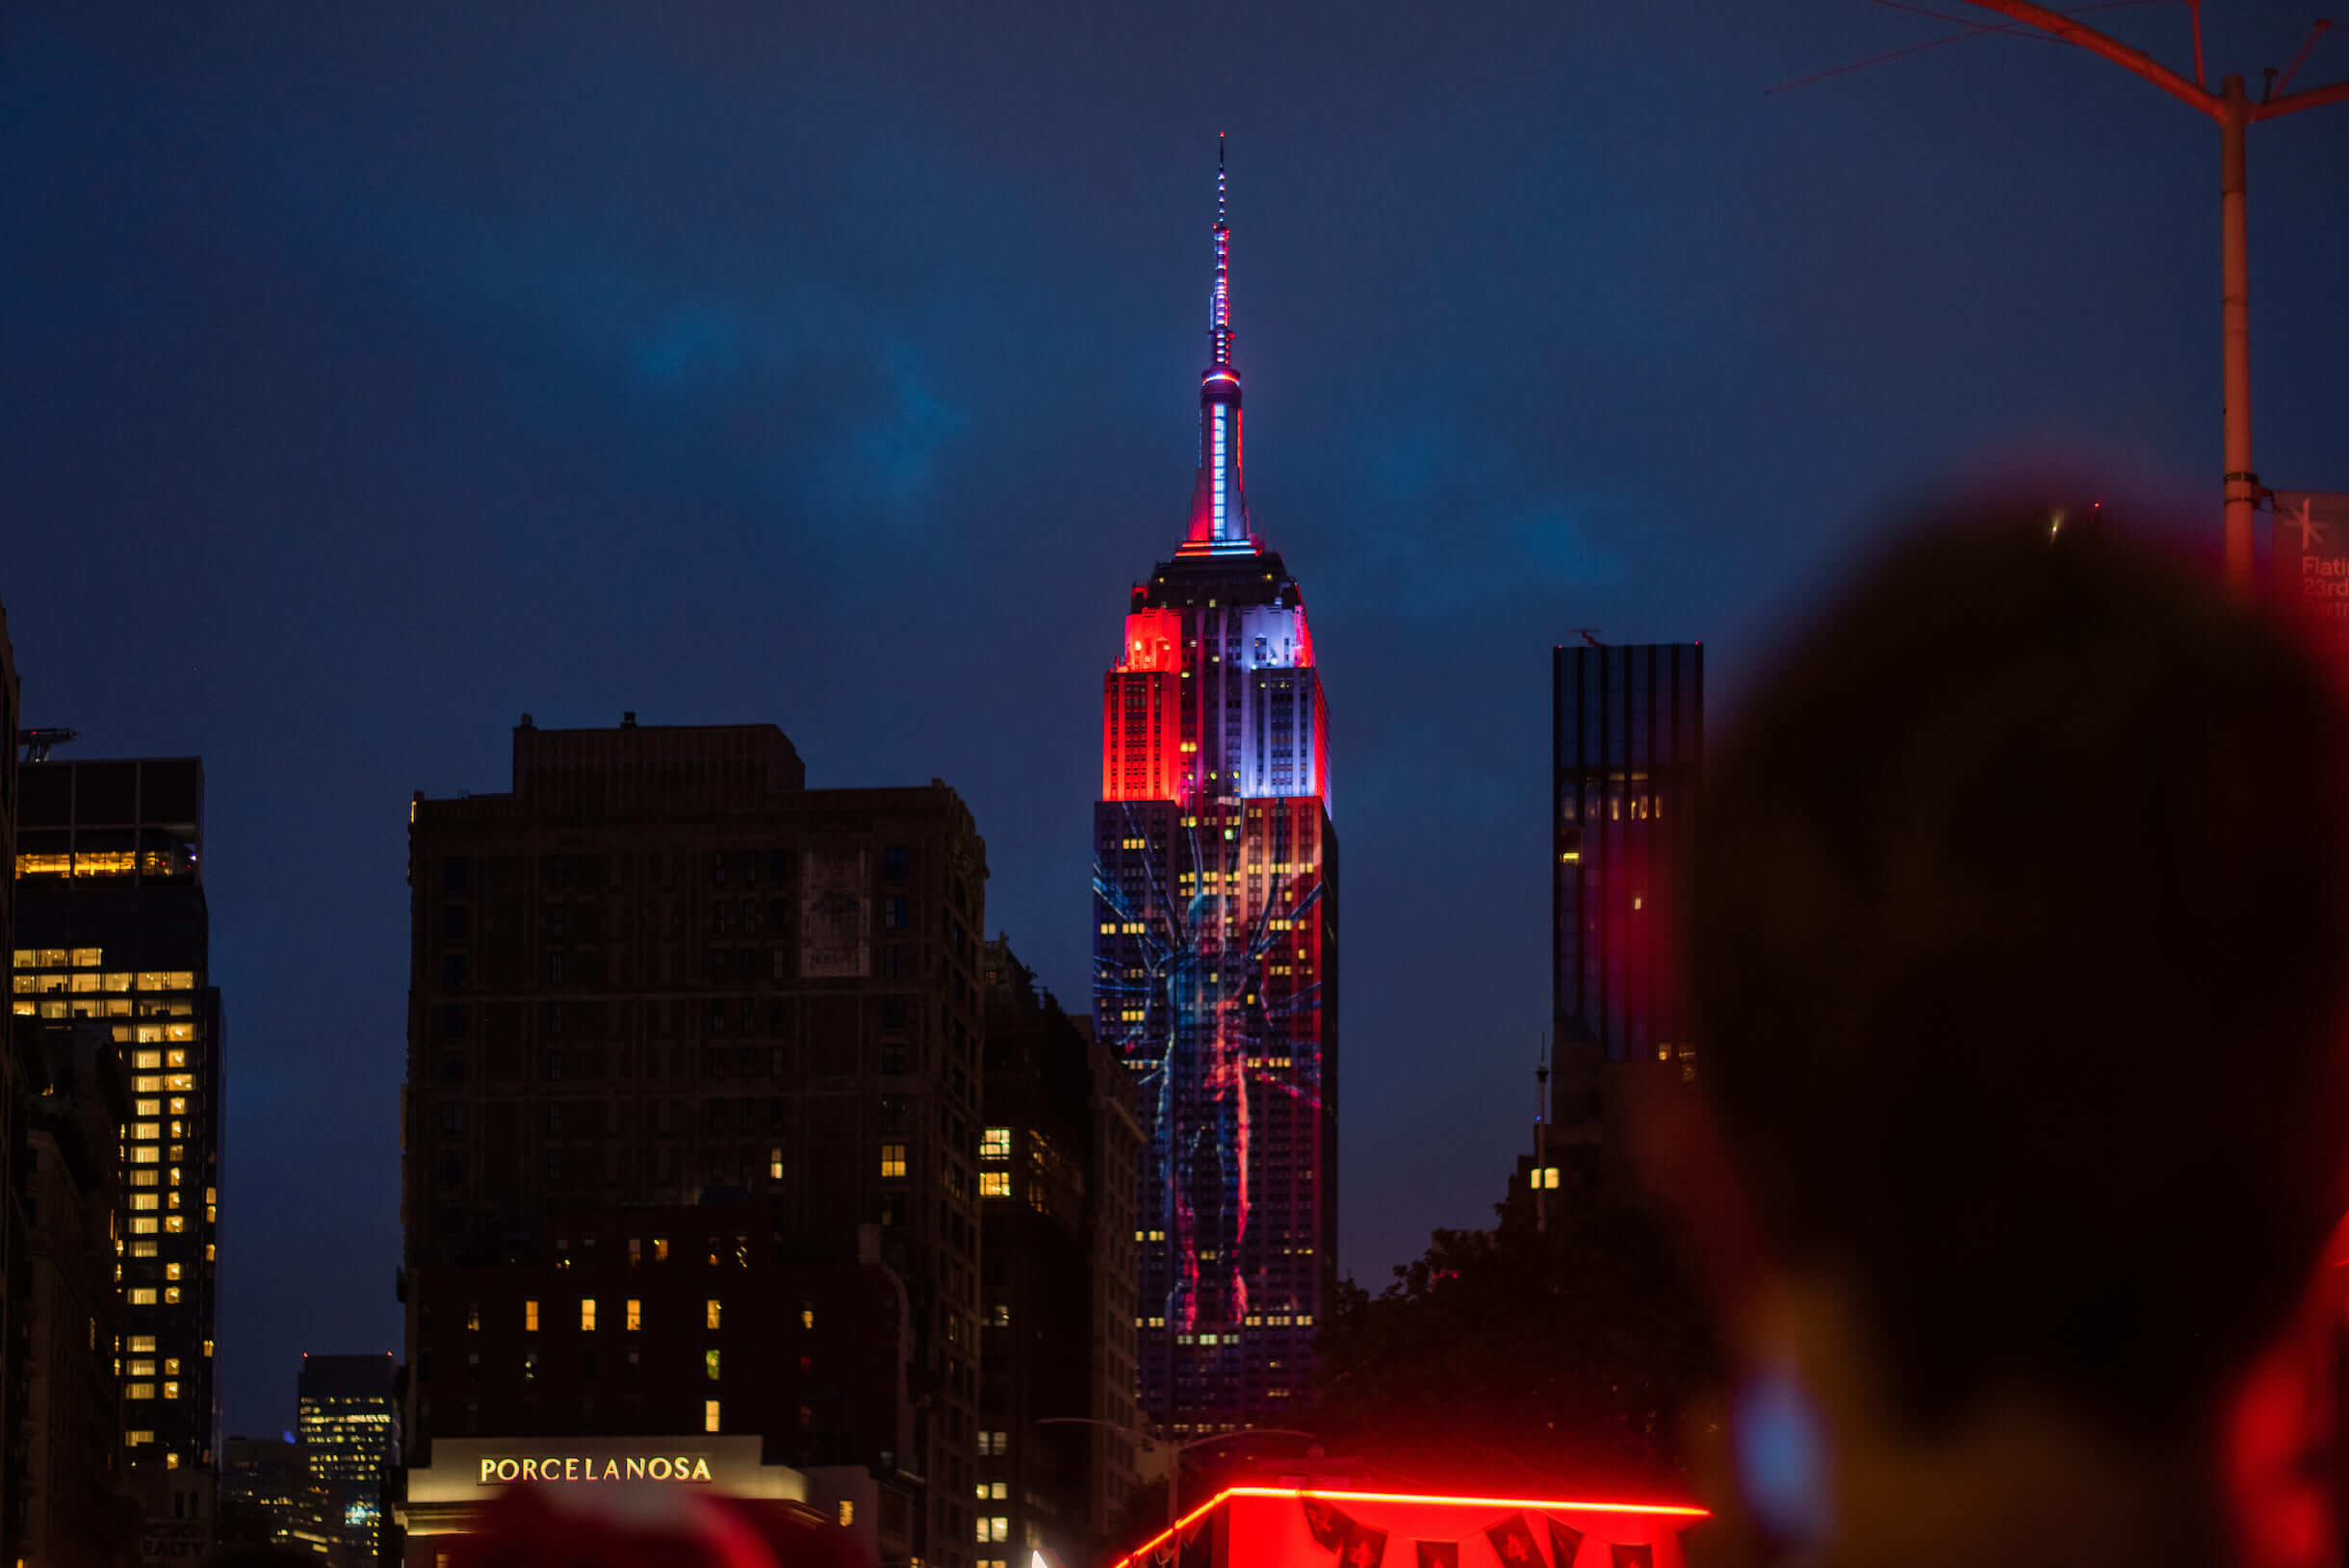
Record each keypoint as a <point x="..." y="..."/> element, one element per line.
<point x="347" y="1425"/>
<point x="691" y="1124"/>
<point x="1058" y="1159"/>
<point x="1627" y="752"/>
<point x="112" y="925"/>
<point x="269" y="1498"/>
<point x="74" y="1511"/>
<point x="15" y="1277"/>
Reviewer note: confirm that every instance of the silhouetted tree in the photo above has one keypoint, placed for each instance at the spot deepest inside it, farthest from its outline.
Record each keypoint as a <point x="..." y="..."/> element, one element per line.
<point x="1510" y="1357"/>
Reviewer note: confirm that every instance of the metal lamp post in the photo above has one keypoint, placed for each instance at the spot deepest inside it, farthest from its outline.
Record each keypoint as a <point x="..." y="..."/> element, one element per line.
<point x="2235" y="114"/>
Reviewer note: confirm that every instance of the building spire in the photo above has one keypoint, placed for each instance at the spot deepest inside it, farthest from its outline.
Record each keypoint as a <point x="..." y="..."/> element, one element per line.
<point x="1219" y="504"/>
<point x="1218" y="323"/>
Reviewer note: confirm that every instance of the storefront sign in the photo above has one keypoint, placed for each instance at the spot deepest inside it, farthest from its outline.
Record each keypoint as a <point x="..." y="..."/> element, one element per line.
<point x="497" y="1470"/>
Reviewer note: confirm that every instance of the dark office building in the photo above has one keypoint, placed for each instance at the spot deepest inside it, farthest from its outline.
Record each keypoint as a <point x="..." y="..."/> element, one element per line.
<point x="1628" y="727"/>
<point x="348" y="1425"/>
<point x="73" y="1511"/>
<point x="691" y="1131"/>
<point x="15" y="1279"/>
<point x="269" y="1498"/>
<point x="111" y="925"/>
<point x="1057" y="1161"/>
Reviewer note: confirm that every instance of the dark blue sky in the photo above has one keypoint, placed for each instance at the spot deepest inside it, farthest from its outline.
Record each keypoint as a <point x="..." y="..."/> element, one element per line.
<point x="375" y="374"/>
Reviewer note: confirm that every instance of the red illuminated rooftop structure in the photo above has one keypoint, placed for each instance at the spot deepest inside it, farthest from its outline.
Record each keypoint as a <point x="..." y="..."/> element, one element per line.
<point x="1288" y="1526"/>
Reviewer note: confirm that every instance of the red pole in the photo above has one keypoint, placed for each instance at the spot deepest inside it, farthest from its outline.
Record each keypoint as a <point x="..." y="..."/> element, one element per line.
<point x="2235" y="272"/>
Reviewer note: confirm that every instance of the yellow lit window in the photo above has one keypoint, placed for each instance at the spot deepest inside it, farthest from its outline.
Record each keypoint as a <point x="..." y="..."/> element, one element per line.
<point x="139" y="1391"/>
<point x="145" y="1200"/>
<point x="711" y="1312"/>
<point x="175" y="1225"/>
<point x="89" y="957"/>
<point x="586" y="1312"/>
<point x="171" y="1391"/>
<point x="530" y="1317"/>
<point x="1546" y="1177"/>
<point x="996" y="1144"/>
<point x="774" y="1164"/>
<point x="636" y="1315"/>
<point x="170" y="1295"/>
<point x="994" y="1184"/>
<point x="146" y="1108"/>
<point x="137" y="1343"/>
<point x="710" y="1415"/>
<point x="146" y="1061"/>
<point x="807" y="1317"/>
<point x="892" y="1161"/>
<point x="709" y="1364"/>
<point x="140" y="1366"/>
<point x="143" y="1295"/>
<point x="143" y="1227"/>
<point x="660" y="1248"/>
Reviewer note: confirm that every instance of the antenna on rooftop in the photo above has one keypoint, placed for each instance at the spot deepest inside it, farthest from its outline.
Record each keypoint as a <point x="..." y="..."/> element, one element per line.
<point x="37" y="742"/>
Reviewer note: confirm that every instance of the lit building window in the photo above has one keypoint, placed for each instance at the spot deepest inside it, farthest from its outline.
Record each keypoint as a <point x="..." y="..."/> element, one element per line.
<point x="709" y="1364"/>
<point x="530" y="1317"/>
<point x="994" y="1184"/>
<point x="587" y="1312"/>
<point x="892" y="1161"/>
<point x="996" y="1144"/>
<point x="774" y="1164"/>
<point x="710" y="1415"/>
<point x="711" y="1310"/>
<point x="635" y="1314"/>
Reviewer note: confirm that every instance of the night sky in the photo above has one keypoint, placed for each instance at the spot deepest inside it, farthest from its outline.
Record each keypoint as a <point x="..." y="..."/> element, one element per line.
<point x="375" y="375"/>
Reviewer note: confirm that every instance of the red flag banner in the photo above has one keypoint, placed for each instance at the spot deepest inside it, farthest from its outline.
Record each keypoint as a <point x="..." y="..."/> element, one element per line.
<point x="1565" y="1542"/>
<point x="1513" y="1544"/>
<point x="1328" y="1523"/>
<point x="1199" y="1547"/>
<point x="1364" y="1548"/>
<point x="1632" y="1554"/>
<point x="2312" y="559"/>
<point x="1438" y="1553"/>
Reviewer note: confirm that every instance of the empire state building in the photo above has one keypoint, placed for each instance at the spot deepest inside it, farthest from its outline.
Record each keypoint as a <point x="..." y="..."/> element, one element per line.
<point x="1215" y="946"/>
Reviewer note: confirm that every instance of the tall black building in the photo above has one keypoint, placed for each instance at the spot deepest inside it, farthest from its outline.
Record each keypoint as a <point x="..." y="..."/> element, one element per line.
<point x="111" y="925"/>
<point x="1627" y="752"/>
<point x="1058" y="1152"/>
<point x="1628" y="732"/>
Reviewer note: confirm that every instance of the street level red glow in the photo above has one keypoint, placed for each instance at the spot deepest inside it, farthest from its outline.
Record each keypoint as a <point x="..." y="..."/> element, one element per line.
<point x="1683" y="1513"/>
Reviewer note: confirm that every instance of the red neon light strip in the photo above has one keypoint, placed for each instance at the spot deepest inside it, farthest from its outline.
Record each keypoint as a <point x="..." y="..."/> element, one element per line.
<point x="1679" y="1511"/>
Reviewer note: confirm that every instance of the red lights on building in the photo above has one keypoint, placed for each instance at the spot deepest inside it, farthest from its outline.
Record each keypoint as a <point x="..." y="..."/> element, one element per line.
<point x="1287" y="1526"/>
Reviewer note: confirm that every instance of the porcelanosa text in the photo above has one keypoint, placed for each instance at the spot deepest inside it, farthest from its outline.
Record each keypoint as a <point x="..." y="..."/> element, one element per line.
<point x="682" y="1468"/>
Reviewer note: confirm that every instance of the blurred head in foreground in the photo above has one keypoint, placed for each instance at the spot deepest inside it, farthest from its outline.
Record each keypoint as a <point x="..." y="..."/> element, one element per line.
<point x="2017" y="926"/>
<point x="529" y="1527"/>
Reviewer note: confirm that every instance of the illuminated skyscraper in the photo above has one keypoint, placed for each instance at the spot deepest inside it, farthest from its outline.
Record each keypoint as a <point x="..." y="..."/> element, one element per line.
<point x="111" y="925"/>
<point x="1215" y="948"/>
<point x="349" y="1443"/>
